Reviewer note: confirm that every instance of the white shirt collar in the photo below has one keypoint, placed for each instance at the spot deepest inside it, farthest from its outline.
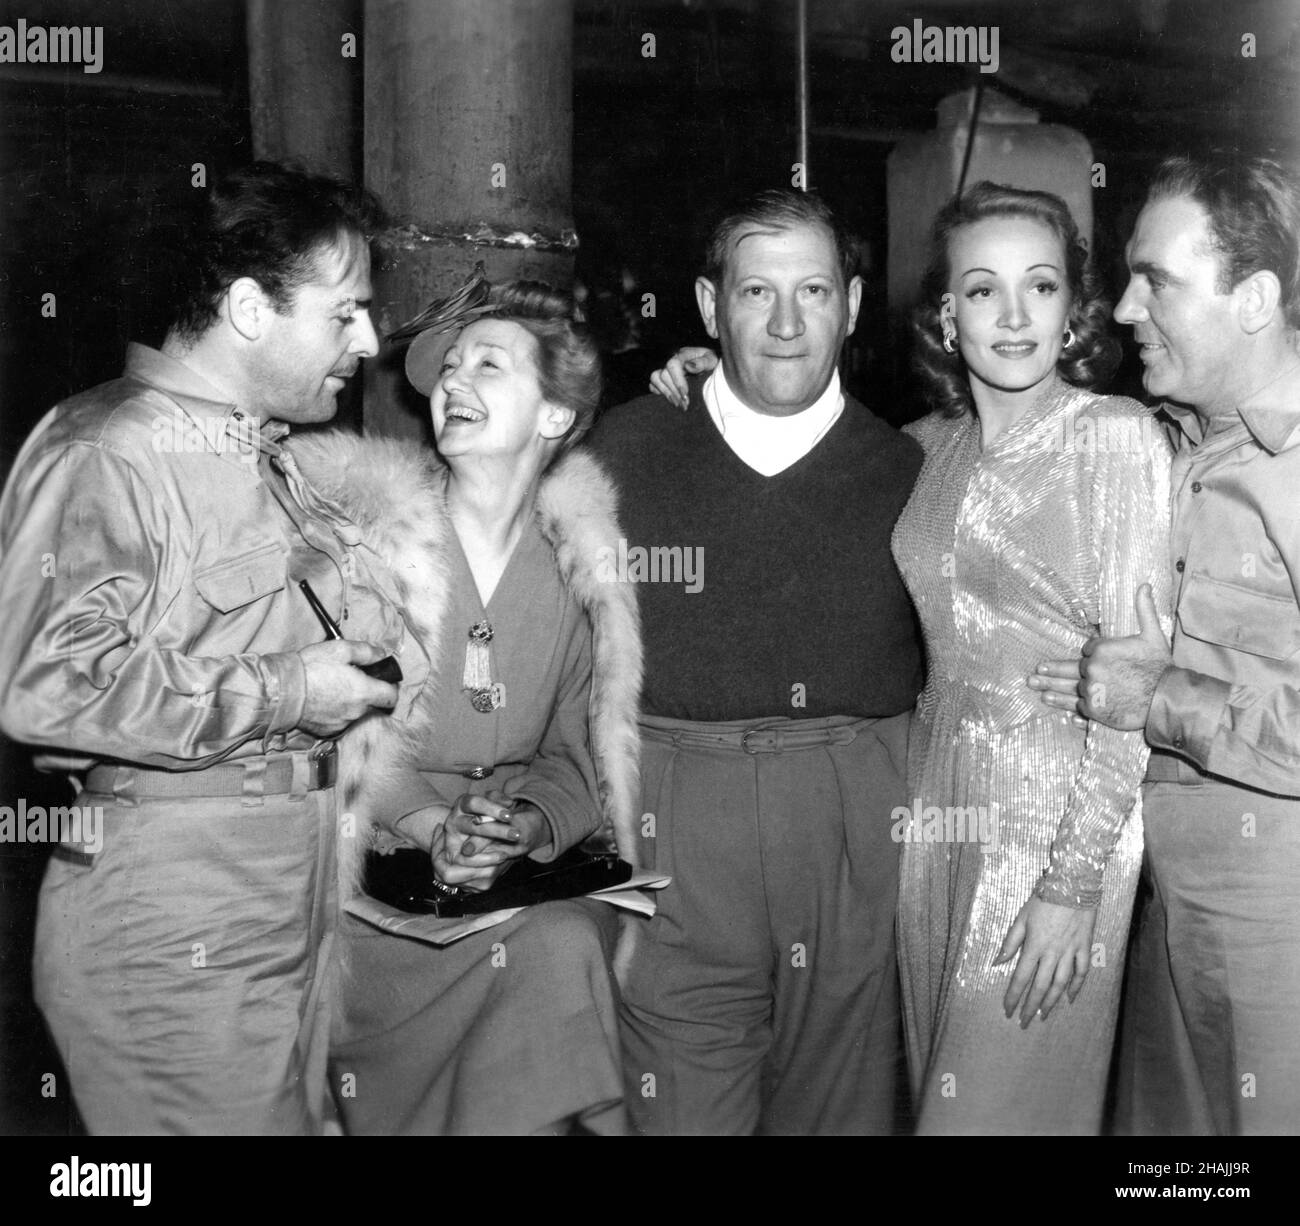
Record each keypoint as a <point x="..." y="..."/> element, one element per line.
<point x="769" y="445"/>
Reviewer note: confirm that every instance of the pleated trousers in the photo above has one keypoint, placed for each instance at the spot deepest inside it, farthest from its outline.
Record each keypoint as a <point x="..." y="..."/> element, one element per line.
<point x="763" y="995"/>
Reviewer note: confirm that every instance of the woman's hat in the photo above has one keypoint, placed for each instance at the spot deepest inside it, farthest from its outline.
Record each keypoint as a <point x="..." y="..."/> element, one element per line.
<point x="437" y="326"/>
<point x="424" y="358"/>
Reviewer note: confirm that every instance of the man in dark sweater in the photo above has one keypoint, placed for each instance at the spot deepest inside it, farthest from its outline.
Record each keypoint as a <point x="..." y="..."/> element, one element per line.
<point x="782" y="663"/>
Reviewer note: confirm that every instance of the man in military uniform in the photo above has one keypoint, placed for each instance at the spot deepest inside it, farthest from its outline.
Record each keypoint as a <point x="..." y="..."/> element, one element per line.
<point x="156" y="647"/>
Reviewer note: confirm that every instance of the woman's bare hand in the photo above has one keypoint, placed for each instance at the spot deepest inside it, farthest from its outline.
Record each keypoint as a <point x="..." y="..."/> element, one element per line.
<point x="482" y="834"/>
<point x="670" y="381"/>
<point x="1055" y="947"/>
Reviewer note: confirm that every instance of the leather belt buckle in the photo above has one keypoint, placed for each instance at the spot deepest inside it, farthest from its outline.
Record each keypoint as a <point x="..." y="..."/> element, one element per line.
<point x="773" y="742"/>
<point x="324" y="768"/>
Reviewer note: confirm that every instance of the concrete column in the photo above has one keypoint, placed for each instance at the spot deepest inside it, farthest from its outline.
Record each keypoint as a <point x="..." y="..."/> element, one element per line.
<point x="304" y="83"/>
<point x="468" y="141"/>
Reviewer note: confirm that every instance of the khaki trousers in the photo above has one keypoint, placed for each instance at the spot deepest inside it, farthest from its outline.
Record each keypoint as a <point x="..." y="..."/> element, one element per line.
<point x="185" y="971"/>
<point x="1208" y="1027"/>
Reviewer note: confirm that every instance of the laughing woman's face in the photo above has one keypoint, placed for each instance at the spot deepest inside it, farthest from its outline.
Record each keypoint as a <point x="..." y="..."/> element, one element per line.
<point x="488" y="401"/>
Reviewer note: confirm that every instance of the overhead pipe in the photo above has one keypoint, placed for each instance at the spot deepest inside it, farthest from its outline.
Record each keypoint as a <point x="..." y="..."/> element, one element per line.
<point x="801" y="153"/>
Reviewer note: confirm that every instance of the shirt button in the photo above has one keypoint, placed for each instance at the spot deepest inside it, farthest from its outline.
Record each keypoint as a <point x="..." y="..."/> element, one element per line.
<point x="1179" y="743"/>
<point x="1180" y="566"/>
<point x="1196" y="487"/>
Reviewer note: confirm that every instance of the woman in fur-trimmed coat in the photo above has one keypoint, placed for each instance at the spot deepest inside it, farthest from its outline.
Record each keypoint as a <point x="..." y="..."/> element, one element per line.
<point x="523" y="741"/>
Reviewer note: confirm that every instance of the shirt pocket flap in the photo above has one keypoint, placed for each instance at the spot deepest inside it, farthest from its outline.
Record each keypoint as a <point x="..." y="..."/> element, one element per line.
<point x="231" y="585"/>
<point x="1240" y="618"/>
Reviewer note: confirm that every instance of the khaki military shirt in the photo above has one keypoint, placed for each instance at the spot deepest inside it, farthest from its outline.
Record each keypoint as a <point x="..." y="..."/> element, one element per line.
<point x="1231" y="703"/>
<point x="149" y="559"/>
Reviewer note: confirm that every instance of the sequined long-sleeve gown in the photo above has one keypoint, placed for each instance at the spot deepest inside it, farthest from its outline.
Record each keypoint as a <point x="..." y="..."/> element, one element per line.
<point x="1014" y="554"/>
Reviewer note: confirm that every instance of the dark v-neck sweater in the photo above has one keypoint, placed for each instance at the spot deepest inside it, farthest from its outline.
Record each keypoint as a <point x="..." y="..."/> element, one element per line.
<point x="799" y="610"/>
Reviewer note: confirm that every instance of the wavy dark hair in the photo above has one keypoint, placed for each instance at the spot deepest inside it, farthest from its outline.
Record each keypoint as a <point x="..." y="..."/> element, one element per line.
<point x="1253" y="210"/>
<point x="568" y="360"/>
<point x="1088" y="363"/>
<point x="270" y="222"/>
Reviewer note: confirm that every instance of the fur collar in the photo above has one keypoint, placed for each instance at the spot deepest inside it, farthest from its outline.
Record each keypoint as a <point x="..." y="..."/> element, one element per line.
<point x="393" y="491"/>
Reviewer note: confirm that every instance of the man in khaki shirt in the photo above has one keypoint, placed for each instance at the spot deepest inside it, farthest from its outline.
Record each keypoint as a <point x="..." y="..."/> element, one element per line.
<point x="155" y="646"/>
<point x="1208" y="1041"/>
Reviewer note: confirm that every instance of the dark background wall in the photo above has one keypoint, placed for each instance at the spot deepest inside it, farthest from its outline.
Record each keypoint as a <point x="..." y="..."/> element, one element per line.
<point x="90" y="164"/>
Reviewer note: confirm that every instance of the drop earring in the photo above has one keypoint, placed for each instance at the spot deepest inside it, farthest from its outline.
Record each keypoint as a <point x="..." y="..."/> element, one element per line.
<point x="947" y="304"/>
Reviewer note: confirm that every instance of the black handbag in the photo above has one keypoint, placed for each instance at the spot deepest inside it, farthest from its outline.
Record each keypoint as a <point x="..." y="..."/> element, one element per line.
<point x="404" y="879"/>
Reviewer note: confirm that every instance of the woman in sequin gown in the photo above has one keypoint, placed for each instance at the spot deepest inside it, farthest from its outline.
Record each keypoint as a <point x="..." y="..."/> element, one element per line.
<point x="1040" y="511"/>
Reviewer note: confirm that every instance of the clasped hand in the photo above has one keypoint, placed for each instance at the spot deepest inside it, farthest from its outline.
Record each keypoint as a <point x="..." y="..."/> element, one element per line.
<point x="481" y="835"/>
